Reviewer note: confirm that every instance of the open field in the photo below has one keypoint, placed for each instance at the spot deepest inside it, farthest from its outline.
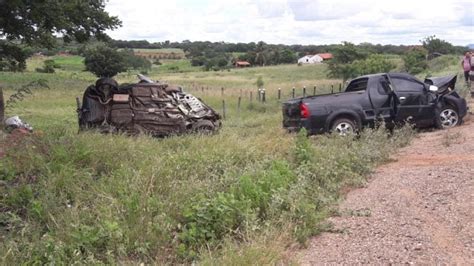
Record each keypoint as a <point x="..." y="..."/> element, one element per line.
<point x="237" y="197"/>
<point x="165" y="53"/>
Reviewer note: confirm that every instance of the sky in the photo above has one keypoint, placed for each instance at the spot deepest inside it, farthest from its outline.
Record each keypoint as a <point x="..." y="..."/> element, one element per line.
<point x="295" y="21"/>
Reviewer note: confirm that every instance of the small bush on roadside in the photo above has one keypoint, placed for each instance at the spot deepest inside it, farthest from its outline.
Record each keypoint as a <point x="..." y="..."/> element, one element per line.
<point x="415" y="60"/>
<point x="48" y="66"/>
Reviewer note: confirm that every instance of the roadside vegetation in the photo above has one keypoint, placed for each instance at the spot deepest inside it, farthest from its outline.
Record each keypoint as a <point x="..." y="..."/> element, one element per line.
<point x="237" y="197"/>
<point x="241" y="196"/>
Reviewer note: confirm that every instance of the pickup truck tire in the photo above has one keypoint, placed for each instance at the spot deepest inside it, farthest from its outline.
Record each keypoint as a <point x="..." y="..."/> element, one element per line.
<point x="344" y="126"/>
<point x="447" y="117"/>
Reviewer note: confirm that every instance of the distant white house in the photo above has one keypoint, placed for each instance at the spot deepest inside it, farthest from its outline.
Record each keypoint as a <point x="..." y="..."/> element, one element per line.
<point x="310" y="59"/>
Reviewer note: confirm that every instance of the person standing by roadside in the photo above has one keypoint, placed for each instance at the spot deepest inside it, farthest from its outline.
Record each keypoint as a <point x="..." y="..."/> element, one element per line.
<point x="466" y="65"/>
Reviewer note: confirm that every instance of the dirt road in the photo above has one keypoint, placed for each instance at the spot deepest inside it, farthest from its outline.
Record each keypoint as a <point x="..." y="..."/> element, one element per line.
<point x="417" y="209"/>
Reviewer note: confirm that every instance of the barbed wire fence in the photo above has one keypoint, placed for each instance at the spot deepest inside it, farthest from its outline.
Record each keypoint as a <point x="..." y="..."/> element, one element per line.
<point x="260" y="95"/>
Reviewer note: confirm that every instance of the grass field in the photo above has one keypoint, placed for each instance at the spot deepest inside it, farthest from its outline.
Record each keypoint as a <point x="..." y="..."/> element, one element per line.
<point x="165" y="53"/>
<point x="239" y="197"/>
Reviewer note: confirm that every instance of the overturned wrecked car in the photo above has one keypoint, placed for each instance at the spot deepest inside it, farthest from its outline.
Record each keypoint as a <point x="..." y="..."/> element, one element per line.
<point x="392" y="97"/>
<point x="146" y="107"/>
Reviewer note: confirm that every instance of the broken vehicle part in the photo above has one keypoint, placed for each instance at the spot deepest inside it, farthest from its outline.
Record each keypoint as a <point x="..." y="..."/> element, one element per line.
<point x="15" y="122"/>
<point x="147" y="107"/>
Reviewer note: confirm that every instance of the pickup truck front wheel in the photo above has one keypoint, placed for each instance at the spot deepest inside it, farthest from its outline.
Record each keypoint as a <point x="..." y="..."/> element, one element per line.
<point x="447" y="117"/>
<point x="344" y="127"/>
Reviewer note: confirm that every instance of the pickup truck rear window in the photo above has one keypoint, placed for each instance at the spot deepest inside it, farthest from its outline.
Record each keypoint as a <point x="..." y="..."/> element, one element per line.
<point x="357" y="85"/>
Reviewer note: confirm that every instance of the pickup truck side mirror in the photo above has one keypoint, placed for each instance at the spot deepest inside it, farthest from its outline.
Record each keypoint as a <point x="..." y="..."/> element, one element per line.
<point x="433" y="88"/>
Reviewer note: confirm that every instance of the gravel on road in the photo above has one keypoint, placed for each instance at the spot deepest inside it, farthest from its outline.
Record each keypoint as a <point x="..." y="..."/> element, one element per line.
<point x="417" y="209"/>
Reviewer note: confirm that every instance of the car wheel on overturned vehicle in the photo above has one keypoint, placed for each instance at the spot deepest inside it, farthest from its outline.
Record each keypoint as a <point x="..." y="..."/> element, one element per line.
<point x="447" y="117"/>
<point x="205" y="127"/>
<point x="344" y="127"/>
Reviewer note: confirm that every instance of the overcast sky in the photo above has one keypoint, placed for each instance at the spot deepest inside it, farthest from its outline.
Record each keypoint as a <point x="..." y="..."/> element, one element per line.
<point x="295" y="21"/>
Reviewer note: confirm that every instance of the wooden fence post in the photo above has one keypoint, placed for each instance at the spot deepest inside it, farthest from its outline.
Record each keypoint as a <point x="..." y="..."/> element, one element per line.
<point x="293" y="93"/>
<point x="238" y="104"/>
<point x="223" y="109"/>
<point x="304" y="91"/>
<point x="263" y="95"/>
<point x="314" y="90"/>
<point x="279" y="93"/>
<point x="2" y="108"/>
<point x="251" y="96"/>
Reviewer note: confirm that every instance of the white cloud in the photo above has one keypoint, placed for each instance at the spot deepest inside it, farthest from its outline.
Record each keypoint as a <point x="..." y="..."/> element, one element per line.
<point x="295" y="21"/>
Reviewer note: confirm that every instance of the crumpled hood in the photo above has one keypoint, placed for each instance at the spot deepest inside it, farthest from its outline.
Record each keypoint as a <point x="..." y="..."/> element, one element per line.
<point x="443" y="83"/>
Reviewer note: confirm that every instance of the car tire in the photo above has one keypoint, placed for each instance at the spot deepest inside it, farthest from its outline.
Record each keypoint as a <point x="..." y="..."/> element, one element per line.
<point x="344" y="127"/>
<point x="204" y="127"/>
<point x="447" y="117"/>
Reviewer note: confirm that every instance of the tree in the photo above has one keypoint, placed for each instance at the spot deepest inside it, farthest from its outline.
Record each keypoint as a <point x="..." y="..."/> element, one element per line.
<point x="13" y="57"/>
<point x="260" y="54"/>
<point x="104" y="61"/>
<point x="36" y="23"/>
<point x="341" y="64"/>
<point x="415" y="60"/>
<point x="435" y="45"/>
<point x="287" y="57"/>
<point x="135" y="62"/>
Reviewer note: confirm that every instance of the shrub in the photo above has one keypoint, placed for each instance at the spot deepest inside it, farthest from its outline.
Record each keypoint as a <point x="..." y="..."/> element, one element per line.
<point x="259" y="82"/>
<point x="415" y="60"/>
<point x="375" y="63"/>
<point x="133" y="61"/>
<point x="48" y="66"/>
<point x="239" y="210"/>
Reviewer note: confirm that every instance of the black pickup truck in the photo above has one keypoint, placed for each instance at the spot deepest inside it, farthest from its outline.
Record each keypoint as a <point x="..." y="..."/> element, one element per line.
<point x="392" y="97"/>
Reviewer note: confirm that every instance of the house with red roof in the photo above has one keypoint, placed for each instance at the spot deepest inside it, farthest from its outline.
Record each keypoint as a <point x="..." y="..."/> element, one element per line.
<point x="242" y="64"/>
<point x="325" y="56"/>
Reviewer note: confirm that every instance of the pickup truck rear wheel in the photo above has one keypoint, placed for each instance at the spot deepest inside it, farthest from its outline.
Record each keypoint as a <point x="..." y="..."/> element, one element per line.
<point x="447" y="117"/>
<point x="344" y="127"/>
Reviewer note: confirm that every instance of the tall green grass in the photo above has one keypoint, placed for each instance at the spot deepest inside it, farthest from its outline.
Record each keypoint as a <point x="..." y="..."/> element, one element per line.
<point x="91" y="198"/>
<point x="236" y="197"/>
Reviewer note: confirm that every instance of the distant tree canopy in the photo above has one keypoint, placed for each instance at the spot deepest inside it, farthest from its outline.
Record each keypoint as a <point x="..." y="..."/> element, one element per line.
<point x="135" y="62"/>
<point x="341" y="64"/>
<point x="350" y="61"/>
<point x="105" y="61"/>
<point x="35" y="23"/>
<point x="262" y="53"/>
<point x="436" y="45"/>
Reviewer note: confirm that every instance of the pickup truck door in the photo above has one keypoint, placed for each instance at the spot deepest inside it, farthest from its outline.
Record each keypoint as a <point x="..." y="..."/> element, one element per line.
<point x="413" y="99"/>
<point x="381" y="97"/>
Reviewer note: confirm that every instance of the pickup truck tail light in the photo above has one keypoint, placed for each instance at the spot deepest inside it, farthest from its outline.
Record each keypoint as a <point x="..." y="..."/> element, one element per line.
<point x="304" y="111"/>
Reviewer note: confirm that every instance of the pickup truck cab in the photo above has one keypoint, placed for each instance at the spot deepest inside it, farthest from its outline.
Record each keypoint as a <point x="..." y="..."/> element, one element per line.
<point x="391" y="97"/>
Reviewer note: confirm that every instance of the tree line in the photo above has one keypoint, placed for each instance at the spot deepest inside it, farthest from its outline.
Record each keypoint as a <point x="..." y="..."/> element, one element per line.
<point x="25" y="28"/>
